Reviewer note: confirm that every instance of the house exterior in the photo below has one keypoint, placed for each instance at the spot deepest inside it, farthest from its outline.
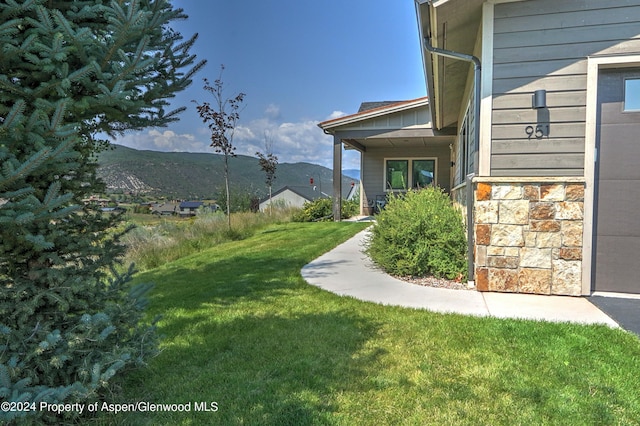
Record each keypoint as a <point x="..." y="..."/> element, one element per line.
<point x="288" y="196"/>
<point x="165" y="209"/>
<point x="544" y="97"/>
<point x="190" y="208"/>
<point x="399" y="149"/>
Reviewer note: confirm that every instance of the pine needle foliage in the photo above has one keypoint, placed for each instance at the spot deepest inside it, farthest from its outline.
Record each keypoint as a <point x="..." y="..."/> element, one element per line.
<point x="69" y="73"/>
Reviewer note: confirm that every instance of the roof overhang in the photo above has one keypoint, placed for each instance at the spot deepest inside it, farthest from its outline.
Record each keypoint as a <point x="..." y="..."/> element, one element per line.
<point x="371" y="129"/>
<point x="451" y="25"/>
<point x="329" y="125"/>
<point x="401" y="138"/>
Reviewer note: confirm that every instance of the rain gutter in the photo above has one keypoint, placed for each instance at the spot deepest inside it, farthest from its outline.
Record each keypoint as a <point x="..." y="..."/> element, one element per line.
<point x="477" y="76"/>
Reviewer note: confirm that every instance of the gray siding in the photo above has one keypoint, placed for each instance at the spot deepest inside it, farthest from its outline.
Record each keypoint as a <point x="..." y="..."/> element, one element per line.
<point x="373" y="166"/>
<point x="416" y="117"/>
<point x="544" y="44"/>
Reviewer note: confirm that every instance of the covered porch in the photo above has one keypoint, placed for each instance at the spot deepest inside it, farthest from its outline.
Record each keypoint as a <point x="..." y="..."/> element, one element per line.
<point x="399" y="150"/>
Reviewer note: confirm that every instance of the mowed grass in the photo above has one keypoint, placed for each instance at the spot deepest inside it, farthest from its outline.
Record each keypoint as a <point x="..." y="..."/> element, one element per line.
<point x="244" y="330"/>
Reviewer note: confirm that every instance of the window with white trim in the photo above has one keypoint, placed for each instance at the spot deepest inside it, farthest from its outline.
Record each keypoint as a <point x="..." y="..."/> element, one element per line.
<point x="404" y="173"/>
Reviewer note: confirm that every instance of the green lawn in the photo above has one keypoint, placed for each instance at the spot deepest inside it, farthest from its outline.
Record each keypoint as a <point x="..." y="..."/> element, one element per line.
<point x="244" y="330"/>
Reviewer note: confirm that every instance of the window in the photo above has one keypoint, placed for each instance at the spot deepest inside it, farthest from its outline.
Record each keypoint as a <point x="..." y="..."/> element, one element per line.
<point x="632" y="94"/>
<point x="401" y="174"/>
<point x="463" y="154"/>
<point x="424" y="172"/>
<point x="397" y="175"/>
<point x="464" y="147"/>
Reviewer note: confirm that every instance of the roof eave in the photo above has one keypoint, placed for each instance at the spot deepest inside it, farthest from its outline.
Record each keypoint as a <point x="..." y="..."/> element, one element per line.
<point x="424" y="30"/>
<point x="330" y="125"/>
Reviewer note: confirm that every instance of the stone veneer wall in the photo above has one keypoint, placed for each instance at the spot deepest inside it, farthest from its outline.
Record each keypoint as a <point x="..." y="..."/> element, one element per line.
<point x="528" y="235"/>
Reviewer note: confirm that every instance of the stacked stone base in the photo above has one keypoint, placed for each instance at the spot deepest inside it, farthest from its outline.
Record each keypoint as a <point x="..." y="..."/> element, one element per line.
<point x="528" y="235"/>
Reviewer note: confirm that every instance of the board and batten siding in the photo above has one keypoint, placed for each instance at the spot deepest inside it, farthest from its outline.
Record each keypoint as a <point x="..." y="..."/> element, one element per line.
<point x="544" y="44"/>
<point x="417" y="117"/>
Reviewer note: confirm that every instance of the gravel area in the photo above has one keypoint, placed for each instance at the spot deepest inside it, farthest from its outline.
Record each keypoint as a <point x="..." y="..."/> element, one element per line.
<point x="437" y="282"/>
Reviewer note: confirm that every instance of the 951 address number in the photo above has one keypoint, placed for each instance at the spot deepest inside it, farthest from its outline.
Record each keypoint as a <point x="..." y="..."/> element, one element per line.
<point x="537" y="132"/>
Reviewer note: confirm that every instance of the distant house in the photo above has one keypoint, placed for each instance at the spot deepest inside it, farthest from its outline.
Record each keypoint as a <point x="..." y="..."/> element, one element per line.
<point x="353" y="191"/>
<point x="165" y="209"/>
<point x="189" y="208"/>
<point x="289" y="196"/>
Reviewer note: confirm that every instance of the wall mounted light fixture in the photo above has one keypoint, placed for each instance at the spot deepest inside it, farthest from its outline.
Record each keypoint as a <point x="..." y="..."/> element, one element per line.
<point x="539" y="99"/>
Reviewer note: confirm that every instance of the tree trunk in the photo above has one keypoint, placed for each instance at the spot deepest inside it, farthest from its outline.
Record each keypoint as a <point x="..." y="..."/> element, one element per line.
<point x="226" y="182"/>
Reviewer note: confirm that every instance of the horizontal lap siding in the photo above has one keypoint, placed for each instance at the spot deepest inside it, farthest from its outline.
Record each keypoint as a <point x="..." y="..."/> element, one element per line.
<point x="373" y="165"/>
<point x="544" y="44"/>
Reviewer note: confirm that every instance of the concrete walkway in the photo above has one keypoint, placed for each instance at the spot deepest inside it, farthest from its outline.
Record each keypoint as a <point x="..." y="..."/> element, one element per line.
<point x="347" y="271"/>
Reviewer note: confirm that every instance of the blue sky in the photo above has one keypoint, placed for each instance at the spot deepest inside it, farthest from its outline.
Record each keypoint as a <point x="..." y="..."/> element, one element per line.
<point x="299" y="63"/>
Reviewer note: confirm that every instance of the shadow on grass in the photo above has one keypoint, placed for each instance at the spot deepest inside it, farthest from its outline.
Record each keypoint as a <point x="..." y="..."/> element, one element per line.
<point x="266" y="370"/>
<point x="263" y="267"/>
<point x="224" y="281"/>
<point x="242" y="329"/>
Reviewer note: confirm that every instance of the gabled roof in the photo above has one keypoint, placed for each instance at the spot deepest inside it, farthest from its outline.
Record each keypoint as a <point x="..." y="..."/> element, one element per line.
<point x="164" y="207"/>
<point x="190" y="204"/>
<point x="305" y="192"/>
<point x="384" y="108"/>
<point x="366" y="106"/>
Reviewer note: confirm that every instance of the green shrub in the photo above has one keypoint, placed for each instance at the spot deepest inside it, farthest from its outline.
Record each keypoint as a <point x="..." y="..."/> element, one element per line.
<point x="420" y="233"/>
<point x="322" y="210"/>
<point x="351" y="207"/>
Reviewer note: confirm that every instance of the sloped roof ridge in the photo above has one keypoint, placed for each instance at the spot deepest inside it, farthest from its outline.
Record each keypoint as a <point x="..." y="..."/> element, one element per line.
<point x="366" y="106"/>
<point x="374" y="110"/>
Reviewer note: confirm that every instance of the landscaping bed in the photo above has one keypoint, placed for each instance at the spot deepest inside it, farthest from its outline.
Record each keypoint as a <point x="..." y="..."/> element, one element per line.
<point x="431" y="281"/>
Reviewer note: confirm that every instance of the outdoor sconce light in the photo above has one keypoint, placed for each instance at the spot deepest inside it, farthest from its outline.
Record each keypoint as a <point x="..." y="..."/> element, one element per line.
<point x="539" y="99"/>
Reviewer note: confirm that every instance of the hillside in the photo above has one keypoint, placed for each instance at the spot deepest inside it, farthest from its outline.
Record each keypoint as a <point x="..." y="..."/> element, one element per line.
<point x="200" y="175"/>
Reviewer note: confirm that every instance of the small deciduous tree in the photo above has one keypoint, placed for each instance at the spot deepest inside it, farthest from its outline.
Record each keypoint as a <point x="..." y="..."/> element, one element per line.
<point x="268" y="163"/>
<point x="221" y="118"/>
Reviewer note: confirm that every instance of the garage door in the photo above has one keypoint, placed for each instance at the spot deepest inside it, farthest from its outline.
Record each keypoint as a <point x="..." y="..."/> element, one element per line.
<point x="617" y="224"/>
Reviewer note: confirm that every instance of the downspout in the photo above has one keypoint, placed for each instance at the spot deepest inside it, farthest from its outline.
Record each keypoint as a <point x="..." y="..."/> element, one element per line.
<point x="477" y="75"/>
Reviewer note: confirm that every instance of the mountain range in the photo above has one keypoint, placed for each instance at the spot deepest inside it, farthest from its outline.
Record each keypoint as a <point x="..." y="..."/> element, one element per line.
<point x="184" y="175"/>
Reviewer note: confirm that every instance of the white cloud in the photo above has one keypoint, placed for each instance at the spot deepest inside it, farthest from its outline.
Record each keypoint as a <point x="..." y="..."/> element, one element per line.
<point x="292" y="141"/>
<point x="272" y="111"/>
<point x="167" y="141"/>
<point x="336" y="114"/>
<point x="301" y="141"/>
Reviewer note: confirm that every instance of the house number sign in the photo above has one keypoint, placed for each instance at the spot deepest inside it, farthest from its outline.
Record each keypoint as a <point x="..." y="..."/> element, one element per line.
<point x="538" y="132"/>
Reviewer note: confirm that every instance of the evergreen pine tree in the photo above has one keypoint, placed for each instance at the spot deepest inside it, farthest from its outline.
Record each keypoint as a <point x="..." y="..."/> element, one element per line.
<point x="70" y="73"/>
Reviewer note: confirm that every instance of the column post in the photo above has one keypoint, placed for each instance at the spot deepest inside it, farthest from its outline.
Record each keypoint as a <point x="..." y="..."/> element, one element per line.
<point x="337" y="178"/>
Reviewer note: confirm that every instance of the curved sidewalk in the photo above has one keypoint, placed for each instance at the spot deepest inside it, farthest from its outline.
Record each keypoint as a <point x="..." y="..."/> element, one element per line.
<point x="347" y="271"/>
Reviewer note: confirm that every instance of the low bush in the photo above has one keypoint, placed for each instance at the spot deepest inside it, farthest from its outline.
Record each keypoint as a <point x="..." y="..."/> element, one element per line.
<point x="420" y="233"/>
<point x="322" y="210"/>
